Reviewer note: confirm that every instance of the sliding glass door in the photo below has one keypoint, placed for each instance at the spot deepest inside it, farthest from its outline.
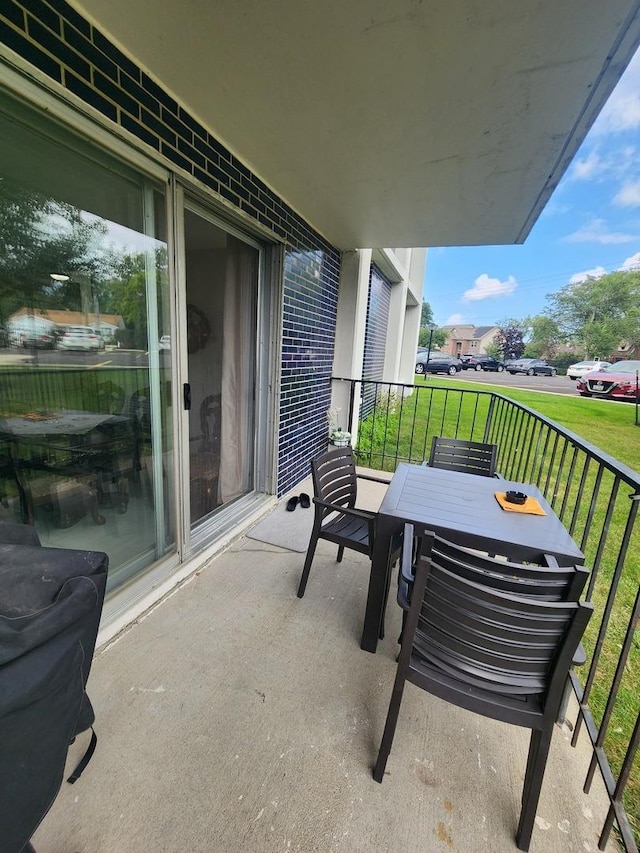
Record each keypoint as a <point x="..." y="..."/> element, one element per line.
<point x="221" y="284"/>
<point x="86" y="428"/>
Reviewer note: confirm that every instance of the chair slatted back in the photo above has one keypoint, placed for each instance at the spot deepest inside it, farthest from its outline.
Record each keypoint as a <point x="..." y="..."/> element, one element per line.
<point x="470" y="457"/>
<point x="490" y="639"/>
<point x="550" y="583"/>
<point x="334" y="478"/>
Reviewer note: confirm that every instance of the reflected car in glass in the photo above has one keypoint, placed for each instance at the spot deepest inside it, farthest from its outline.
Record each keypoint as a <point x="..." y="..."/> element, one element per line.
<point x="82" y="339"/>
<point x="575" y="371"/>
<point x="618" y="382"/>
<point x="531" y="367"/>
<point x="38" y="340"/>
<point x="437" y="362"/>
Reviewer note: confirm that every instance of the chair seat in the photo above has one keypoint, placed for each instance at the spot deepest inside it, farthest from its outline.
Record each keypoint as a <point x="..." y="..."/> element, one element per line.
<point x="343" y="527"/>
<point x="337" y="518"/>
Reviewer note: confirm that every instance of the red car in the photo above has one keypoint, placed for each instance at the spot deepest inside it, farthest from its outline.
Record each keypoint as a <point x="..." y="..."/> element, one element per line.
<point x="617" y="382"/>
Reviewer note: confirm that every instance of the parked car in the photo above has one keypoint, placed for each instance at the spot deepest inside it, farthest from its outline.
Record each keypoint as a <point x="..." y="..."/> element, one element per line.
<point x="575" y="371"/>
<point x="165" y="342"/>
<point x="437" y="362"/>
<point x="531" y="366"/>
<point x="38" y="340"/>
<point x="619" y="381"/>
<point x="81" y="338"/>
<point x="481" y="362"/>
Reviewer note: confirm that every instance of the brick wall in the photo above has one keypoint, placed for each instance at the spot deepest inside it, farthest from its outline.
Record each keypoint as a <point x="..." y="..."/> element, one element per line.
<point x="59" y="42"/>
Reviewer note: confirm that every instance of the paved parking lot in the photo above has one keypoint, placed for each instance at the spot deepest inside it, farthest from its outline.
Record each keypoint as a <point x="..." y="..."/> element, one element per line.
<point x="556" y="384"/>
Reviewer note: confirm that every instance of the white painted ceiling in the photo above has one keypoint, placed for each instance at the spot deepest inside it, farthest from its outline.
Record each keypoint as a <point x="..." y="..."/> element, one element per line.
<point x="390" y="122"/>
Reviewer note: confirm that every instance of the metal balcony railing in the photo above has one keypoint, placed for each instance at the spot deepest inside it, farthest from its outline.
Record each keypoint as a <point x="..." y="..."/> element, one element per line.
<point x="595" y="496"/>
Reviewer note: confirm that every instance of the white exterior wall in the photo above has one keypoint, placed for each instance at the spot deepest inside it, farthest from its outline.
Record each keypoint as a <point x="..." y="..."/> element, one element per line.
<point x="405" y="269"/>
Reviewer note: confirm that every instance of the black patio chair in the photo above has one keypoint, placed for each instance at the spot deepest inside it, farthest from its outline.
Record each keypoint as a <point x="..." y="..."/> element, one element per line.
<point x="546" y="582"/>
<point x="470" y="457"/>
<point x="336" y="519"/>
<point x="503" y="656"/>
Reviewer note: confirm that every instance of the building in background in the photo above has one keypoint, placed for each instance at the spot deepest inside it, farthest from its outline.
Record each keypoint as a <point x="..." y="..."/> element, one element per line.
<point x="468" y="339"/>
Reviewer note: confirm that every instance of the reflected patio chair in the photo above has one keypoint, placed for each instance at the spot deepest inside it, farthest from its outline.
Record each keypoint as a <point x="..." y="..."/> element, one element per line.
<point x="499" y="655"/>
<point x="336" y="517"/>
<point x="470" y="457"/>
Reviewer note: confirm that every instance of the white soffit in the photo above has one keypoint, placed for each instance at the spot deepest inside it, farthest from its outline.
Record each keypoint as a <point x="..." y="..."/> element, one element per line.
<point x="404" y="123"/>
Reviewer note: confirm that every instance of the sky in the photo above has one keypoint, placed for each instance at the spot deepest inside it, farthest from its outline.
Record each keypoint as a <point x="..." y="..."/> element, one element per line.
<point x="590" y="226"/>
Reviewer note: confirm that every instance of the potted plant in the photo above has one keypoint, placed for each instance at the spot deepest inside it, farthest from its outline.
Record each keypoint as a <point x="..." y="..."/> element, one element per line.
<point x="337" y="436"/>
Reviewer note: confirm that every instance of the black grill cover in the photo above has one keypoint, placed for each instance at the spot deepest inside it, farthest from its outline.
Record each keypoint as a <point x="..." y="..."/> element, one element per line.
<point x="50" y="605"/>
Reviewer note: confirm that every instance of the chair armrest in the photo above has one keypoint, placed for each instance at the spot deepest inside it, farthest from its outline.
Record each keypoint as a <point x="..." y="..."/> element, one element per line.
<point x="579" y="656"/>
<point x="373" y="479"/>
<point x="365" y="514"/>
<point x="404" y="594"/>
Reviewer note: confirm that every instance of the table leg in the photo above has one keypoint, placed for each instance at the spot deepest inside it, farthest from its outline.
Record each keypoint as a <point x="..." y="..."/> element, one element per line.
<point x="385" y="529"/>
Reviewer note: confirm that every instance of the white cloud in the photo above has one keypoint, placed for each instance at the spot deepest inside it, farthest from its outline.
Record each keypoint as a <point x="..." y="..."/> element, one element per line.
<point x="455" y="320"/>
<point x="553" y="208"/>
<point x="631" y="263"/>
<point x="589" y="167"/>
<point x="622" y="110"/>
<point x="596" y="272"/>
<point x="485" y="287"/>
<point x="617" y="162"/>
<point x="629" y="195"/>
<point x="596" y="232"/>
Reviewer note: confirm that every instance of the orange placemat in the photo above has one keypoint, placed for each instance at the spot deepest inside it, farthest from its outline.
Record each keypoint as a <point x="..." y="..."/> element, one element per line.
<point x="531" y="505"/>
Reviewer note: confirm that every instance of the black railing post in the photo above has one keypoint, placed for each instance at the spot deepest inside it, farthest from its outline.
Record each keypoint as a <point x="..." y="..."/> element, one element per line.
<point x="352" y="395"/>
<point x="489" y="422"/>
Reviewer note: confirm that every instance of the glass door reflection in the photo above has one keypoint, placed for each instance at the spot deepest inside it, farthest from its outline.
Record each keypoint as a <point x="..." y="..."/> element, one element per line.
<point x="221" y="297"/>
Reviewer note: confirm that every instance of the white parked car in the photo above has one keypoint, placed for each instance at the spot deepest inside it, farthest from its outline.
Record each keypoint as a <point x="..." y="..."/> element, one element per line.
<point x="575" y="371"/>
<point x="165" y="342"/>
<point x="81" y="338"/>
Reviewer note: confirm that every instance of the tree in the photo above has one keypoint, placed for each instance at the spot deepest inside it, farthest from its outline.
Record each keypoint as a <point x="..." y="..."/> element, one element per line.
<point x="40" y="236"/>
<point x="429" y="332"/>
<point x="438" y="337"/>
<point x="493" y="350"/>
<point x="598" y="313"/>
<point x="509" y="340"/>
<point x="545" y="336"/>
<point x="426" y="318"/>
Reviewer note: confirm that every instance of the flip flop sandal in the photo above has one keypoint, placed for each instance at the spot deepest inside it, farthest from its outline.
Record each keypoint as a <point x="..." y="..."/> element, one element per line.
<point x="292" y="503"/>
<point x="305" y="501"/>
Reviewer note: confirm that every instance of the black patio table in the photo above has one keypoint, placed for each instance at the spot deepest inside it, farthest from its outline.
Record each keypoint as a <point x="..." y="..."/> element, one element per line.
<point x="462" y="508"/>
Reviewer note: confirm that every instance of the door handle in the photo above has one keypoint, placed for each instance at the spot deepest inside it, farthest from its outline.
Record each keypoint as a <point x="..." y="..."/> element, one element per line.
<point x="186" y="396"/>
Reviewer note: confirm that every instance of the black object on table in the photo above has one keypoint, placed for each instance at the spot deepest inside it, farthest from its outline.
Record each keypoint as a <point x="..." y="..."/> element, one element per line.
<point x="462" y="508"/>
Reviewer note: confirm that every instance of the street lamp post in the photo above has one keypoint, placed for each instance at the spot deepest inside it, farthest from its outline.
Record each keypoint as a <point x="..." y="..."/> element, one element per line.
<point x="432" y="327"/>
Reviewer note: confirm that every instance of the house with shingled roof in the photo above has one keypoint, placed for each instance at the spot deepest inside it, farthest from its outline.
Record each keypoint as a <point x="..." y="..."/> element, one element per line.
<point x="468" y="339"/>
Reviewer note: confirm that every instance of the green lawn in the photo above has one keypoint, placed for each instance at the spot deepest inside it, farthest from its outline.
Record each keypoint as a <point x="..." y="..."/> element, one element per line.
<point x="610" y="426"/>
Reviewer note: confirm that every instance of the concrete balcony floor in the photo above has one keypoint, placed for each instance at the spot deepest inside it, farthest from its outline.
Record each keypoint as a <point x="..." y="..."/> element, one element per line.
<point x="236" y="717"/>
